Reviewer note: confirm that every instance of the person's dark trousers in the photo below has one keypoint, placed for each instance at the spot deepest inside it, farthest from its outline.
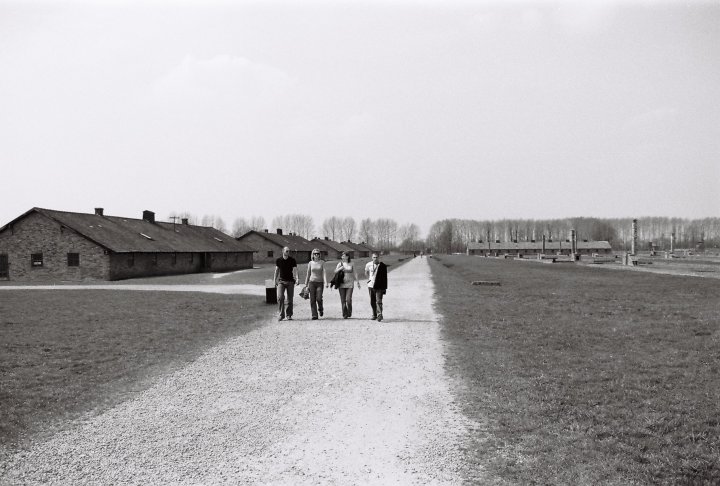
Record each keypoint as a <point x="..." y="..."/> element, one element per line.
<point x="346" y="301"/>
<point x="316" y="298"/>
<point x="289" y="286"/>
<point x="376" y="302"/>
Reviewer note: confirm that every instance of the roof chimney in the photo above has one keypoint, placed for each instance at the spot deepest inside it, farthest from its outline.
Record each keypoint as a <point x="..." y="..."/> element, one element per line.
<point x="279" y="231"/>
<point x="149" y="216"/>
<point x="99" y="211"/>
<point x="327" y="238"/>
<point x="185" y="221"/>
<point x="266" y="230"/>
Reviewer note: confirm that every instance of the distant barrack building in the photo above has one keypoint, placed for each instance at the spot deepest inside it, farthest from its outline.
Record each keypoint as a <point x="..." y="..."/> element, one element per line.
<point x="50" y="245"/>
<point x="268" y="246"/>
<point x="331" y="250"/>
<point x="532" y="248"/>
<point x="359" y="250"/>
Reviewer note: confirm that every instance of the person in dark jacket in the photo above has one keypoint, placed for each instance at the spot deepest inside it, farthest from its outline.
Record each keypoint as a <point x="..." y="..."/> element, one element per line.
<point x="376" y="274"/>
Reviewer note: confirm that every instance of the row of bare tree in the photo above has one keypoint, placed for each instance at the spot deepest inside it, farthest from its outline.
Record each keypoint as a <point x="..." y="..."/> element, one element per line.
<point x="382" y="233"/>
<point x="453" y="235"/>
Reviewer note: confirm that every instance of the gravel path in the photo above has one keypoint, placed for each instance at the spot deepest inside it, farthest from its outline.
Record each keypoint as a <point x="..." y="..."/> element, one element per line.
<point x="303" y="402"/>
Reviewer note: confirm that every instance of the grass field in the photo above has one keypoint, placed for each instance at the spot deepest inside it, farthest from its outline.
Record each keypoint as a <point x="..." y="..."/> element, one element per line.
<point x="72" y="351"/>
<point x="64" y="353"/>
<point x="584" y="375"/>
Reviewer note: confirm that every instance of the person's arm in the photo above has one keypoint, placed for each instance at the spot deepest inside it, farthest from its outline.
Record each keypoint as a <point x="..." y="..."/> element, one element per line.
<point x="275" y="275"/>
<point x="325" y="280"/>
<point x="307" y="276"/>
<point x="296" y="274"/>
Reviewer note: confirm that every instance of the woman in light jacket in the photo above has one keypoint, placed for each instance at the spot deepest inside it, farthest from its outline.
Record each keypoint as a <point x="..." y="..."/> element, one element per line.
<point x="346" y="288"/>
<point x="315" y="281"/>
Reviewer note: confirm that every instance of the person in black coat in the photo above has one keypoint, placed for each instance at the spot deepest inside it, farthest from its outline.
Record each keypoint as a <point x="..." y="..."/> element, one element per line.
<point x="376" y="274"/>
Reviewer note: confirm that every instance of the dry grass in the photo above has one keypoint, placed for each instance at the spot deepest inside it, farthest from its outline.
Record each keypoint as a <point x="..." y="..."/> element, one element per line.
<point x="68" y="352"/>
<point x="585" y="376"/>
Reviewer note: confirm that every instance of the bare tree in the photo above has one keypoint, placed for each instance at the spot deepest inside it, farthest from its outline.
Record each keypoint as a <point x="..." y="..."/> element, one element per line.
<point x="213" y="221"/>
<point x="440" y="236"/>
<point x="386" y="233"/>
<point x="347" y="228"/>
<point x="207" y="220"/>
<point x="409" y="236"/>
<point x="300" y="224"/>
<point x="240" y="227"/>
<point x="219" y="224"/>
<point x="408" y="232"/>
<point x="280" y="222"/>
<point x="366" y="232"/>
<point x="331" y="227"/>
<point x="257" y="223"/>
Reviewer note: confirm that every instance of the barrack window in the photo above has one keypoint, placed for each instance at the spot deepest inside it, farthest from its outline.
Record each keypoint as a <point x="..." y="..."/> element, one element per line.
<point x="73" y="259"/>
<point x="36" y="259"/>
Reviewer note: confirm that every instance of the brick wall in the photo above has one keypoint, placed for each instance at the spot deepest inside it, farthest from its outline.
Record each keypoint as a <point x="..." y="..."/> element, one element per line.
<point x="39" y="234"/>
<point x="133" y="265"/>
<point x="229" y="262"/>
<point x="262" y="246"/>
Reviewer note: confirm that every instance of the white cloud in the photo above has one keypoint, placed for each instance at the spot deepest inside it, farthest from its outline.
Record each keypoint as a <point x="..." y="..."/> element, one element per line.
<point x="225" y="79"/>
<point x="584" y="17"/>
<point x="651" y="120"/>
<point x="532" y="19"/>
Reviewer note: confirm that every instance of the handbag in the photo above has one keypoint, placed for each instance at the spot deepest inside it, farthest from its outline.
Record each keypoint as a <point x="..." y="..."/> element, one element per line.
<point x="305" y="293"/>
<point x="337" y="279"/>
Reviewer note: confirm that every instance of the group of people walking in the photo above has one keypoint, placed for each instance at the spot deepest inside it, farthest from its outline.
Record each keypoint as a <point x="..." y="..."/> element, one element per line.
<point x="287" y="276"/>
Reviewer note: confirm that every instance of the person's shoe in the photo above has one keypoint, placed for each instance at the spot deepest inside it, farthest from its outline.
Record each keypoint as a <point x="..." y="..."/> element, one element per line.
<point x="289" y="318"/>
<point x="373" y="317"/>
<point x="321" y="313"/>
<point x="280" y="318"/>
<point x="379" y="317"/>
<point x="315" y="318"/>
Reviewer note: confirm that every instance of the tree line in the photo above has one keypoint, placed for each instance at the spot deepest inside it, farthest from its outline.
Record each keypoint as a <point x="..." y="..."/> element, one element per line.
<point x="453" y="235"/>
<point x="381" y="233"/>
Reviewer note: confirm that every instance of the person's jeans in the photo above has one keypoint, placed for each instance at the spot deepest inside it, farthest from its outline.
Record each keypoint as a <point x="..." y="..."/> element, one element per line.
<point x="346" y="301"/>
<point x="376" y="302"/>
<point x="282" y="287"/>
<point x="316" y="297"/>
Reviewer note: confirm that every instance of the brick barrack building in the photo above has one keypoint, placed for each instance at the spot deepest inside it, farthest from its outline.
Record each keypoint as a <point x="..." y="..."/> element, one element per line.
<point x="45" y="245"/>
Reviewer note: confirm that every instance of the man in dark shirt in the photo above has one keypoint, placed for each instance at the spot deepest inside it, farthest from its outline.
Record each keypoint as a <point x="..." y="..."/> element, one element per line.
<point x="286" y="276"/>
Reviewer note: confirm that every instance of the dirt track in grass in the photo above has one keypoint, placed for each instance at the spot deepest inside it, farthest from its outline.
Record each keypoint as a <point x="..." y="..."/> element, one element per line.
<point x="304" y="402"/>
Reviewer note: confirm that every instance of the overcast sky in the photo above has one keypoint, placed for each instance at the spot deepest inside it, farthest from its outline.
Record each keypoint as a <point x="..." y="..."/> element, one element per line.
<point x="416" y="111"/>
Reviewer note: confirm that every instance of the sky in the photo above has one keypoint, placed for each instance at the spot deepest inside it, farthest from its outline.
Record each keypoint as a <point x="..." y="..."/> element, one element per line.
<point x="416" y="111"/>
